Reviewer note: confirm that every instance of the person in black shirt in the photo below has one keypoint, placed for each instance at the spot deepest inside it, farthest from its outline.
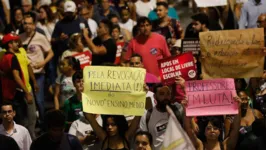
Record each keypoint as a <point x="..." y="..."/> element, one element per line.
<point x="103" y="47"/>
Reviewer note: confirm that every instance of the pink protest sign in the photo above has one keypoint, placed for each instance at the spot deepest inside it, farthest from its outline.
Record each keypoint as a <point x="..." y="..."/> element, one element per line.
<point x="211" y="97"/>
<point x="172" y="67"/>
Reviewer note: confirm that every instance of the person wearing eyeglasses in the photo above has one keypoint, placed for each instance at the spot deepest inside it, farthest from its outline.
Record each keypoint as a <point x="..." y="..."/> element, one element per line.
<point x="9" y="128"/>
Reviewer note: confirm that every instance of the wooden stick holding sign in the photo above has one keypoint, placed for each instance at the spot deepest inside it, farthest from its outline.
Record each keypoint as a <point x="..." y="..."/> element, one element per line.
<point x="172" y="67"/>
<point x="114" y="90"/>
<point x="211" y="97"/>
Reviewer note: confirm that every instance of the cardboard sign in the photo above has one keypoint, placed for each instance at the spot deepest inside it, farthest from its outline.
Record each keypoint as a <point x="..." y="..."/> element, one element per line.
<point x="191" y="45"/>
<point x="232" y="53"/>
<point x="211" y="97"/>
<point x="210" y="3"/>
<point x="84" y="58"/>
<point x="114" y="90"/>
<point x="172" y="67"/>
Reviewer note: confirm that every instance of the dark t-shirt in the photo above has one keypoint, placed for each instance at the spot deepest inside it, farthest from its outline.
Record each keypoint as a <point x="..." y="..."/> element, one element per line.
<point x="109" y="57"/>
<point x="44" y="142"/>
<point x="8" y="143"/>
<point x="67" y="27"/>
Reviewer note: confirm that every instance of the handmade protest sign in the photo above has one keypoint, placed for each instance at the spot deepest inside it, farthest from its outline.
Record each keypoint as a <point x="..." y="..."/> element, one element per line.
<point x="114" y="90"/>
<point x="232" y="53"/>
<point x="84" y="58"/>
<point x="172" y="67"/>
<point x="211" y="97"/>
<point x="191" y="45"/>
<point x="210" y="3"/>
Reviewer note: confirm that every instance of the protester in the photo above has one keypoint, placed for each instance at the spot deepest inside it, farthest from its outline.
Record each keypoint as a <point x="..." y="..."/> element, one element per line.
<point x="143" y="140"/>
<point x="103" y="47"/>
<point x="249" y="115"/>
<point x="250" y="12"/>
<point x="126" y="33"/>
<point x="40" y="53"/>
<point x="115" y="132"/>
<point x="155" y="119"/>
<point x="120" y="43"/>
<point x="166" y="26"/>
<point x="212" y="130"/>
<point x="46" y="21"/>
<point x="104" y="10"/>
<point x="145" y="44"/>
<point x="129" y="4"/>
<point x="143" y="7"/>
<point x="87" y="12"/>
<point x="9" y="128"/>
<point x="64" y="88"/>
<point x="172" y="13"/>
<point x="126" y="21"/>
<point x="16" y="24"/>
<point x="73" y="105"/>
<point x="55" y="138"/>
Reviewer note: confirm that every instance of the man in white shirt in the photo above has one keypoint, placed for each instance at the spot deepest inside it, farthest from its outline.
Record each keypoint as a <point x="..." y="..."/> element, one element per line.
<point x="9" y="128"/>
<point x="155" y="120"/>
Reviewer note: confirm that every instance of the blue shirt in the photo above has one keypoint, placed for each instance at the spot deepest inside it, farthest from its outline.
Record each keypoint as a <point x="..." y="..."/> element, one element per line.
<point x="250" y="13"/>
<point x="171" y="13"/>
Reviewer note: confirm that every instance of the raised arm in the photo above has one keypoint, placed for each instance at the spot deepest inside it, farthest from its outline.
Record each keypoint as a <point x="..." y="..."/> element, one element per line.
<point x="98" y="50"/>
<point x="133" y="127"/>
<point x="100" y="133"/>
<point x="233" y="136"/>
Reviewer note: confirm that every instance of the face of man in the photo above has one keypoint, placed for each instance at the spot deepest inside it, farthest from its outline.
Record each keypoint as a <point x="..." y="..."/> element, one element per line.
<point x="145" y="28"/>
<point x="115" y="20"/>
<point x="85" y="13"/>
<point x="102" y="30"/>
<point x="7" y="113"/>
<point x="79" y="85"/>
<point x="135" y="62"/>
<point x="197" y="26"/>
<point x="26" y="6"/>
<point x="262" y="21"/>
<point x="69" y="16"/>
<point x="161" y="11"/>
<point x="105" y="4"/>
<point x="163" y="97"/>
<point x="115" y="34"/>
<point x="29" y="25"/>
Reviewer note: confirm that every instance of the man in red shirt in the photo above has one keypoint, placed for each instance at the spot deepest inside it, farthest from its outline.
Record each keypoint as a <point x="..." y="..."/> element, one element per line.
<point x="150" y="46"/>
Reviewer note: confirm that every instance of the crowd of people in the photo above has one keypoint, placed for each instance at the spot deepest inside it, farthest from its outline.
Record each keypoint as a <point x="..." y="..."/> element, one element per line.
<point x="42" y="79"/>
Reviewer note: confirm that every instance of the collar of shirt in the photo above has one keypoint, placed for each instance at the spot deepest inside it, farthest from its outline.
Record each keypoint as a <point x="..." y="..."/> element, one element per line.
<point x="3" y="130"/>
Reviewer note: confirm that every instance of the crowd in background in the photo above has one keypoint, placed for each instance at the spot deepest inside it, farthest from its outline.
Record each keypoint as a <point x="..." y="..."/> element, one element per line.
<point x="42" y="82"/>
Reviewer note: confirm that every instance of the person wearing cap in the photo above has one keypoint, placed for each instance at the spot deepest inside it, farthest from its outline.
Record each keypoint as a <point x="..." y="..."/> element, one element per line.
<point x="70" y="24"/>
<point x="17" y="89"/>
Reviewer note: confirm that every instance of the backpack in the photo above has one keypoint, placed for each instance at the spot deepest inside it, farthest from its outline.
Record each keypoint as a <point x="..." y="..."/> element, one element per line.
<point x="175" y="109"/>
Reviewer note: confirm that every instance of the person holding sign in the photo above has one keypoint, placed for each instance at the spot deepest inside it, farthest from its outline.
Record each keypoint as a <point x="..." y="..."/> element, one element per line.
<point x="115" y="132"/>
<point x="212" y="132"/>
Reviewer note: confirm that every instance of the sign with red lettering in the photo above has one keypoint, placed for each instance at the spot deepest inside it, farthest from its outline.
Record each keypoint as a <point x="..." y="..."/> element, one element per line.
<point x="211" y="97"/>
<point x="120" y="46"/>
<point x="172" y="67"/>
<point x="84" y="58"/>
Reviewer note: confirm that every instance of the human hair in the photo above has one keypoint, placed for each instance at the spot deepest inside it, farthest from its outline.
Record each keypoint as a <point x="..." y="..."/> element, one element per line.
<point x="202" y="18"/>
<point x="14" y="12"/>
<point x="119" y="120"/>
<point x="7" y="103"/>
<point x="116" y="26"/>
<point x="137" y="55"/>
<point x="77" y="75"/>
<point x="142" y="20"/>
<point x="164" y="4"/>
<point x="54" y="119"/>
<point x="124" y="8"/>
<point x="156" y="86"/>
<point x="108" y="24"/>
<point x="73" y="40"/>
<point x="135" y="31"/>
<point x="147" y="134"/>
<point x="72" y="61"/>
<point x="111" y="16"/>
<point x="217" y="121"/>
<point x="30" y="15"/>
<point x="49" y="14"/>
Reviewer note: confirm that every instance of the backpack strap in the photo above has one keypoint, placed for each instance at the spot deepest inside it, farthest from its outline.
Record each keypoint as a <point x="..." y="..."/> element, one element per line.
<point x="148" y="117"/>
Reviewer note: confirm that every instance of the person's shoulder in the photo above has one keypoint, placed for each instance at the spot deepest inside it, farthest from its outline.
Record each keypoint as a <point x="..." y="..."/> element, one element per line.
<point x="40" y="36"/>
<point x="157" y="35"/>
<point x="22" y="129"/>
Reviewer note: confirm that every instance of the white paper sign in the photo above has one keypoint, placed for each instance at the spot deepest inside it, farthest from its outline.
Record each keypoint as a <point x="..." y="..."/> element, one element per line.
<point x="210" y="3"/>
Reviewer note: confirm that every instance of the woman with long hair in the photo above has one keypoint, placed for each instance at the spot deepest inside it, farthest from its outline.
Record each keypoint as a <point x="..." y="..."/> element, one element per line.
<point x="115" y="132"/>
<point x="212" y="129"/>
<point x="16" y="24"/>
<point x="46" y="21"/>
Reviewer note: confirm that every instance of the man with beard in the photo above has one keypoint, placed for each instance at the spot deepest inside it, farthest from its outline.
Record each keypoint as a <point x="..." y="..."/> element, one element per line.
<point x="70" y="24"/>
<point x="250" y="13"/>
<point x="155" y="120"/>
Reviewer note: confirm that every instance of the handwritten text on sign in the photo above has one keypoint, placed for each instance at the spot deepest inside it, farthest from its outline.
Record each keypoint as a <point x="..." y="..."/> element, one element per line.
<point x="172" y="67"/>
<point x="114" y="90"/>
<point x="232" y="53"/>
<point x="211" y="97"/>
